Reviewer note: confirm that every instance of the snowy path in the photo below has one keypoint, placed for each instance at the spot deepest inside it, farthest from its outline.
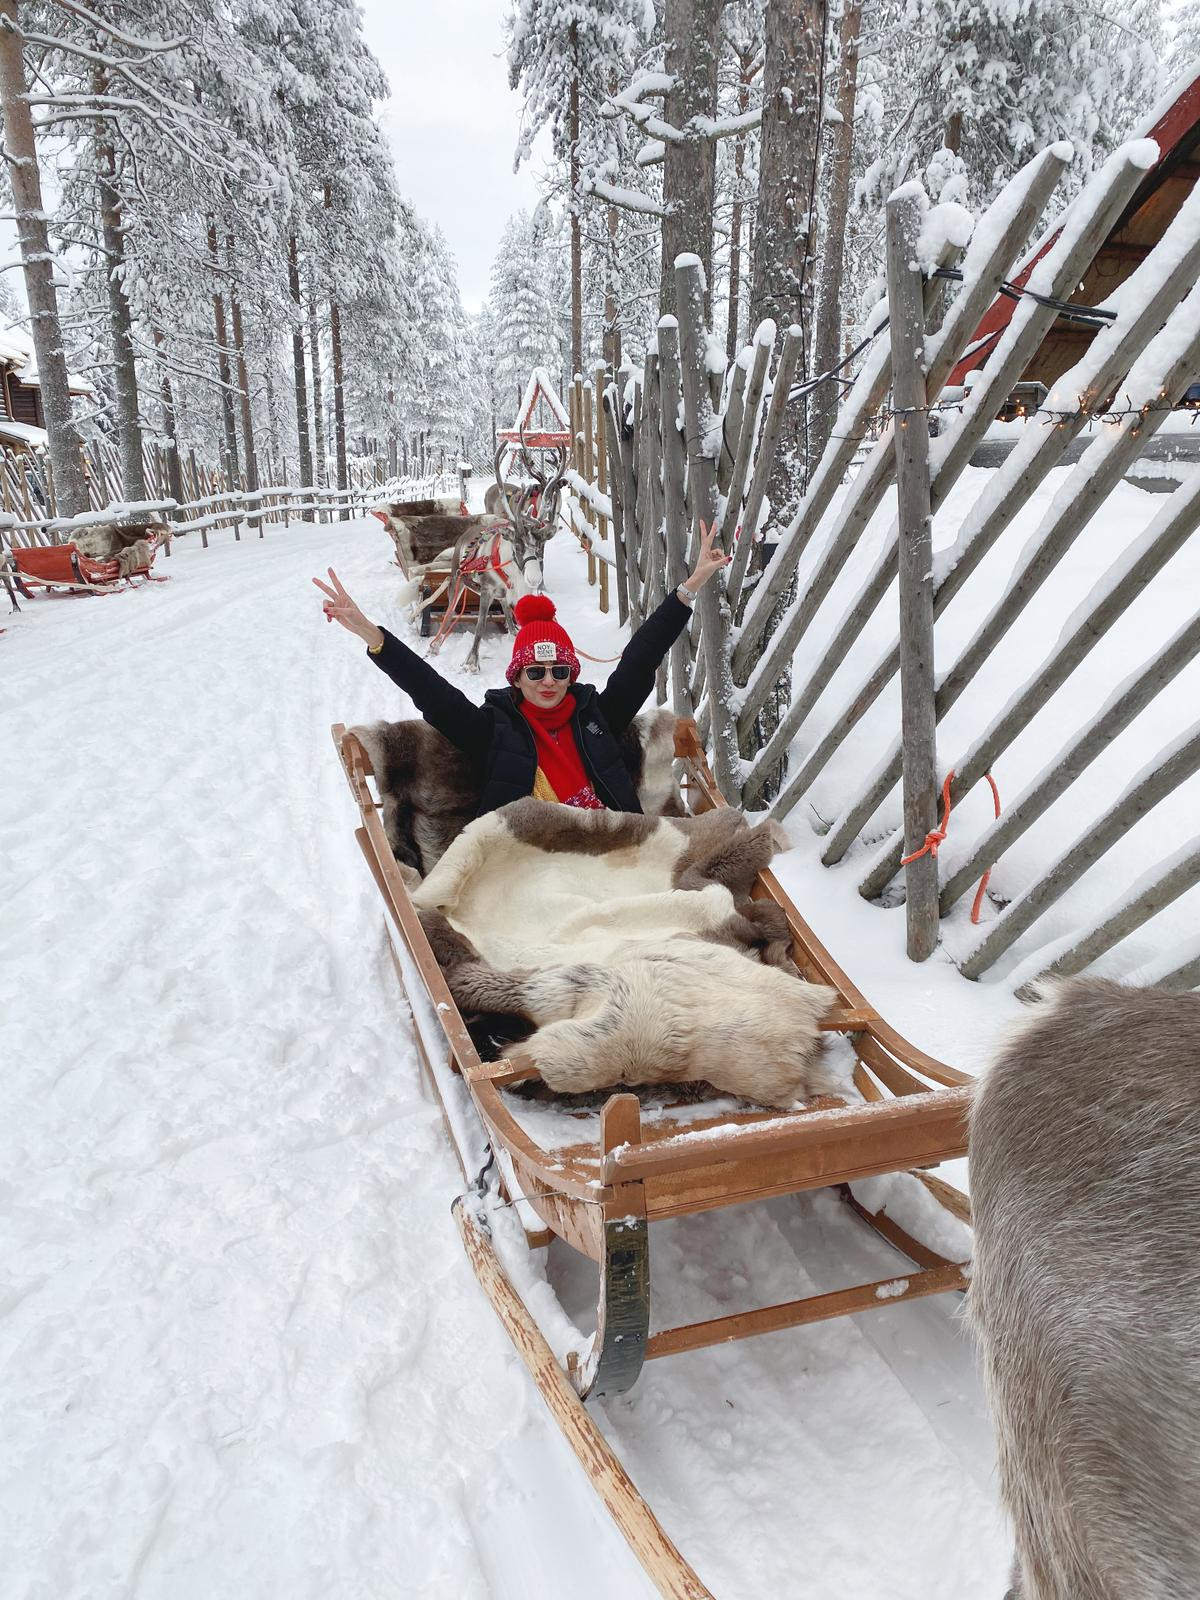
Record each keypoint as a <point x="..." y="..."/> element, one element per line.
<point x="243" y="1354"/>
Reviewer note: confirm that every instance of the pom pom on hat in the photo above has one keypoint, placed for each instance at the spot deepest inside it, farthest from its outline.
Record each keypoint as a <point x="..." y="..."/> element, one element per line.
<point x="534" y="608"/>
<point x="541" y="640"/>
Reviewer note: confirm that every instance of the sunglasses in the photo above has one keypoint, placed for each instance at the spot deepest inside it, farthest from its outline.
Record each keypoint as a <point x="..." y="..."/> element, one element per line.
<point x="536" y="674"/>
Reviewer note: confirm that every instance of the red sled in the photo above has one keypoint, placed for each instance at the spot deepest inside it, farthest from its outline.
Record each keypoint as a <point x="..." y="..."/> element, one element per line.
<point x="63" y="566"/>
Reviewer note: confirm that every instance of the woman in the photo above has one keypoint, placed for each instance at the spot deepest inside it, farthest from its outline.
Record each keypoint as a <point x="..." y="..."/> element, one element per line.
<point x="546" y="735"/>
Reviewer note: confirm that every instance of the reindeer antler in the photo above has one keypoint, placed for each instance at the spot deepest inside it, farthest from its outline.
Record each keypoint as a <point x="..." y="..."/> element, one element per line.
<point x="514" y="513"/>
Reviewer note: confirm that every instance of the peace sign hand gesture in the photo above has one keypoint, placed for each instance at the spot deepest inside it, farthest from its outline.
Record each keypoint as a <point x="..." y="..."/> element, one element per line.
<point x="339" y="607"/>
<point x="708" y="561"/>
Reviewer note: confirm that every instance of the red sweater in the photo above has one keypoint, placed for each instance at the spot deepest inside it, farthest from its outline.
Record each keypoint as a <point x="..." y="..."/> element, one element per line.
<point x="558" y="758"/>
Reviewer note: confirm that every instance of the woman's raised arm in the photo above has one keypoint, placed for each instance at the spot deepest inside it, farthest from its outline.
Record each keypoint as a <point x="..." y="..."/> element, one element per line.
<point x="466" y="725"/>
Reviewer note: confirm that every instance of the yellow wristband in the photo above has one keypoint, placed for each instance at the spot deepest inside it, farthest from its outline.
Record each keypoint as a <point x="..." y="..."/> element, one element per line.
<point x="374" y="649"/>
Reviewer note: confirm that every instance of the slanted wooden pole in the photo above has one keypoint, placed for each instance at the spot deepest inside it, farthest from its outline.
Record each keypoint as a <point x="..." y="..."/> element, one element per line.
<point x="785" y="371"/>
<point x="1182" y="978"/>
<point x="674" y="501"/>
<point x="616" y="451"/>
<point x="1173" y="878"/>
<point x="711" y="606"/>
<point x="907" y="328"/>
<point x="746" y="434"/>
<point x="633" y="533"/>
<point x="1175" y="765"/>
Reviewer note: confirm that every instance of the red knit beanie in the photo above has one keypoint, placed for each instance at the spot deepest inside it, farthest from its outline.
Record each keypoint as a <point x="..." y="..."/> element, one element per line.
<point x="541" y="641"/>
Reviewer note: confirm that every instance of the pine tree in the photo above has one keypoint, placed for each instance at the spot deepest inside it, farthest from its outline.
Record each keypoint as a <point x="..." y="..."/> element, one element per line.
<point x="562" y="54"/>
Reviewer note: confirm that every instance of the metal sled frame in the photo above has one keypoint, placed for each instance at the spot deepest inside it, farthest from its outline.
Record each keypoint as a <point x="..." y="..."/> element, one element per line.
<point x="602" y="1197"/>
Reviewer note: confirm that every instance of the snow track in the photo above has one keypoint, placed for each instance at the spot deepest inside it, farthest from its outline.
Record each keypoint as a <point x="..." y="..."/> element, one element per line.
<point x="243" y="1353"/>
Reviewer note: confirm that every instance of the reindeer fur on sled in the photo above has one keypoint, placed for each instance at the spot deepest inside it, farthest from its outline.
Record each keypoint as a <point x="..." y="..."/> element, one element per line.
<point x="420" y="538"/>
<point x="128" y="543"/>
<point x="1085" y="1189"/>
<point x="430" y="792"/>
<point x="674" y="1013"/>
<point x="631" y="946"/>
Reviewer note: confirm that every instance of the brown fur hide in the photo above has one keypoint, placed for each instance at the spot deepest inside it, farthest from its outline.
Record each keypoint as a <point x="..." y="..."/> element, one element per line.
<point x="112" y="539"/>
<point x="674" y="974"/>
<point x="430" y="792"/>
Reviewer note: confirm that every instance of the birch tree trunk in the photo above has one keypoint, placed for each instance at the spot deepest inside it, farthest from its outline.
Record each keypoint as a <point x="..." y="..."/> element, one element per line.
<point x="693" y="34"/>
<point x="827" y="336"/>
<point x="20" y="150"/>
<point x="302" y="438"/>
<point x="224" y="370"/>
<point x="129" y="426"/>
<point x="314" y="351"/>
<point x="243" y="374"/>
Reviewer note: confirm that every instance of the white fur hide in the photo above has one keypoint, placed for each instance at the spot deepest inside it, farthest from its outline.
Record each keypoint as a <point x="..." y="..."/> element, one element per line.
<point x="629" y="979"/>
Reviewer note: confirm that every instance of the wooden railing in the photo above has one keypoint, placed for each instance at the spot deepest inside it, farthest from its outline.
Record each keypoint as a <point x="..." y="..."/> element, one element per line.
<point x="237" y="509"/>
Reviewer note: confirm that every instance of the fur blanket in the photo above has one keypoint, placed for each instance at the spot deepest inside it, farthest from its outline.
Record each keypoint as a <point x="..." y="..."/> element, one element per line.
<point x="430" y="792"/>
<point x="631" y="946"/>
<point x="127" y="542"/>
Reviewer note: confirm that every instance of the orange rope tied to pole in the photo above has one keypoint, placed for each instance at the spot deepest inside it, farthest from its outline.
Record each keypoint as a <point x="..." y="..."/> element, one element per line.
<point x="936" y="837"/>
<point x="983" y="882"/>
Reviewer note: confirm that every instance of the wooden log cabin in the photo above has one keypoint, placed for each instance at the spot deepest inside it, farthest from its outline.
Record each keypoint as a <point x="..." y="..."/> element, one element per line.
<point x="23" y="422"/>
<point x="1174" y="125"/>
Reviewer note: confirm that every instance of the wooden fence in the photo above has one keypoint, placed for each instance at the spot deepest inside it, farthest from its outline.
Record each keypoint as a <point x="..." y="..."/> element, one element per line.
<point x="762" y="639"/>
<point x="236" y="509"/>
<point x="28" y="502"/>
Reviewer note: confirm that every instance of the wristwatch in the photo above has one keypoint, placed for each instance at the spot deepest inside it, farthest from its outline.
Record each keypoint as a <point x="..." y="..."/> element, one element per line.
<point x="686" y="595"/>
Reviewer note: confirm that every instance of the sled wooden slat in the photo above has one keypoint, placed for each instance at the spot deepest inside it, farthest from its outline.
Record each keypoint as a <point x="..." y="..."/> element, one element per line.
<point x="933" y="1124"/>
<point x="800" y="1313"/>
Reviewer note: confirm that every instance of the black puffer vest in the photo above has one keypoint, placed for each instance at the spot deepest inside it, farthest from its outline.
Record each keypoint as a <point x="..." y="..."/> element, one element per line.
<point x="512" y="761"/>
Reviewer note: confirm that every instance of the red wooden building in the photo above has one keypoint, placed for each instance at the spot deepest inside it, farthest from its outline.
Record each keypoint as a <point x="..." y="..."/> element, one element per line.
<point x="1174" y="125"/>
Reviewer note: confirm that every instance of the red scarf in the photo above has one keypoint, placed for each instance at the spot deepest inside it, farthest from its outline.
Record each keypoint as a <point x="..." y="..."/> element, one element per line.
<point x="558" y="755"/>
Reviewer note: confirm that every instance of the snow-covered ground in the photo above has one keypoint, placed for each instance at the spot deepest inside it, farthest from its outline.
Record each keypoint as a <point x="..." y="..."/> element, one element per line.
<point x="242" y="1352"/>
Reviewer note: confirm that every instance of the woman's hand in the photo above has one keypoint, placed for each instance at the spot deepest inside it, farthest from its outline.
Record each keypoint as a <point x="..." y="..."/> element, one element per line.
<point x="339" y="607"/>
<point x="708" y="561"/>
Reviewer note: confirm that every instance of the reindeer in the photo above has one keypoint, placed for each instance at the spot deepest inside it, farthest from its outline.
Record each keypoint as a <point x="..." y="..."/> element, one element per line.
<point x="1085" y="1184"/>
<point x="513" y="549"/>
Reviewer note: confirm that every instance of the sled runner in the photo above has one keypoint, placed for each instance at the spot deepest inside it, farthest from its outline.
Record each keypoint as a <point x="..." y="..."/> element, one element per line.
<point x="64" y="566"/>
<point x="602" y="1193"/>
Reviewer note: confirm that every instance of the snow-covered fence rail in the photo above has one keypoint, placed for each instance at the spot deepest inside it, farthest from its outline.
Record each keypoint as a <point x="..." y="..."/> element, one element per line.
<point x="687" y="442"/>
<point x="230" y="508"/>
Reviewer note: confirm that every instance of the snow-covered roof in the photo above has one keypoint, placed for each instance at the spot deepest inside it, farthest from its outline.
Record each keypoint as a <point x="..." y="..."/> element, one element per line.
<point x="22" y="432"/>
<point x="539" y="380"/>
<point x="16" y="351"/>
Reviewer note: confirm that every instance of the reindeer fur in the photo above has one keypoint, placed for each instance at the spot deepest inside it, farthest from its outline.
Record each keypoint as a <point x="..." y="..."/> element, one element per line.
<point x="420" y="538"/>
<point x="631" y="947"/>
<point x="1085" y="1184"/>
<point x="430" y="792"/>
<point x="127" y="542"/>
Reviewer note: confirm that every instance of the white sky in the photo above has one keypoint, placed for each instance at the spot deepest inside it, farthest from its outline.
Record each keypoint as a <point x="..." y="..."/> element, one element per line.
<point x="452" y="122"/>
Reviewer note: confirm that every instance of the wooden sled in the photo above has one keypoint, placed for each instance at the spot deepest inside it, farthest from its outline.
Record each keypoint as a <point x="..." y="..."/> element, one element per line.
<point x="601" y="1197"/>
<point x="433" y="578"/>
<point x="63" y="566"/>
